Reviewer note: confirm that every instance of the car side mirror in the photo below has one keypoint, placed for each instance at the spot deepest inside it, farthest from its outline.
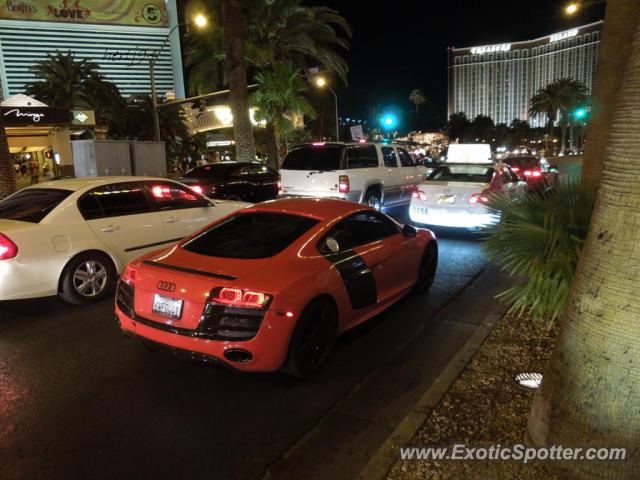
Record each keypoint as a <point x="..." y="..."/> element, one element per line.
<point x="409" y="230"/>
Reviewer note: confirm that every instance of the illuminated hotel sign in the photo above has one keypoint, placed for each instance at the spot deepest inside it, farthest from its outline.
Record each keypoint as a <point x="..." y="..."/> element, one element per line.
<point x="144" y="13"/>
<point x="491" y="48"/>
<point x="561" y="36"/>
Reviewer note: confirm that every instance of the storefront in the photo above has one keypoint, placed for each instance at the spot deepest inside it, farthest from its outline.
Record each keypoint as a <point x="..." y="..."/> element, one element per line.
<point x="37" y="132"/>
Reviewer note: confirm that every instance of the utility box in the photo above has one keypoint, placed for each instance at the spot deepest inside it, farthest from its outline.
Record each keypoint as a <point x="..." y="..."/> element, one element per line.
<point x="98" y="158"/>
<point x="148" y="159"/>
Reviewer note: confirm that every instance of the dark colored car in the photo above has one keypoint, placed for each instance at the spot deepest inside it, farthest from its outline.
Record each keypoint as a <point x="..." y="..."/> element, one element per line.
<point x="538" y="174"/>
<point x="249" y="182"/>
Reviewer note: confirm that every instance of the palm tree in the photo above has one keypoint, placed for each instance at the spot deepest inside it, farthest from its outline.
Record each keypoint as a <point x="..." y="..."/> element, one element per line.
<point x="279" y="91"/>
<point x="205" y="59"/>
<point x="281" y="30"/>
<point x="231" y="21"/>
<point x="547" y="102"/>
<point x="572" y="94"/>
<point x="619" y="24"/>
<point x="66" y="82"/>
<point x="417" y="98"/>
<point x="275" y="31"/>
<point x="589" y="394"/>
<point x="7" y="173"/>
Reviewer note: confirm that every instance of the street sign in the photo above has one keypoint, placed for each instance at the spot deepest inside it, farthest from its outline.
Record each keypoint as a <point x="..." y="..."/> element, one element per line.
<point x="356" y="132"/>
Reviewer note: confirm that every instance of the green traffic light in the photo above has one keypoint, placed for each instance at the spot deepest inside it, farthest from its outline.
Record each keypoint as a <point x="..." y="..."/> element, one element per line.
<point x="580" y="113"/>
<point x="389" y="121"/>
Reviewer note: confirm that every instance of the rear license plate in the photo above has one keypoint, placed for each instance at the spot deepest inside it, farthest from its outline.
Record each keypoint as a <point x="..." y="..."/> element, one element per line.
<point x="447" y="199"/>
<point x="167" y="307"/>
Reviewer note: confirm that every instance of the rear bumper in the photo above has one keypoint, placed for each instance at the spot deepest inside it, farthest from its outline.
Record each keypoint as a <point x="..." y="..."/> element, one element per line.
<point x="353" y="196"/>
<point x="450" y="217"/>
<point x="268" y="349"/>
<point x="38" y="279"/>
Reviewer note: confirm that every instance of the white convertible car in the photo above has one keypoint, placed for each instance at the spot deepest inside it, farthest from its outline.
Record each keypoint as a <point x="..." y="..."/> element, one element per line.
<point x="72" y="237"/>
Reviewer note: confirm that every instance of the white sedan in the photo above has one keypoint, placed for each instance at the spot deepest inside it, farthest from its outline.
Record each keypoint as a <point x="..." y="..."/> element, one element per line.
<point x="456" y="194"/>
<point x="72" y="237"/>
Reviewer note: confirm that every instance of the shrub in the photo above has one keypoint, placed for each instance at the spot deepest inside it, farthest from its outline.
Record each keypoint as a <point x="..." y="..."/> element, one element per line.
<point x="538" y="241"/>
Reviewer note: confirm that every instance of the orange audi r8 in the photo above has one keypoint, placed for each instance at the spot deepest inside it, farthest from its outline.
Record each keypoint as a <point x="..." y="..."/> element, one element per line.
<point x="271" y="286"/>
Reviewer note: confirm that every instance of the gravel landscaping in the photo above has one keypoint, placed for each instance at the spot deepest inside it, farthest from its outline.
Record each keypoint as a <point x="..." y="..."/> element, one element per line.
<point x="485" y="406"/>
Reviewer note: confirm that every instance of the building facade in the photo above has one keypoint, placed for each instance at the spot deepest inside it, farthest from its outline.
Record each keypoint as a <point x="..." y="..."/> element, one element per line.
<point x="119" y="35"/>
<point x="498" y="81"/>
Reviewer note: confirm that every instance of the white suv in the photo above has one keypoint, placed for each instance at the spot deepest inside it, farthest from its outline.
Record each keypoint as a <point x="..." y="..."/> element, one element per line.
<point x="378" y="175"/>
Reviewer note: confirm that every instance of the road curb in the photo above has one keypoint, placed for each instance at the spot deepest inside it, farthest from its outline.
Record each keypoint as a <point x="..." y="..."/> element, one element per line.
<point x="380" y="464"/>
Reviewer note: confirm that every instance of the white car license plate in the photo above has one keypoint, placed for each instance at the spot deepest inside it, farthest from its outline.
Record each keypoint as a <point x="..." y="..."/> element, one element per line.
<point x="167" y="307"/>
<point x="447" y="199"/>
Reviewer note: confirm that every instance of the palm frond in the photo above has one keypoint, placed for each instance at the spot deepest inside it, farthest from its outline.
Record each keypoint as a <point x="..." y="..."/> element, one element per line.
<point x="538" y="241"/>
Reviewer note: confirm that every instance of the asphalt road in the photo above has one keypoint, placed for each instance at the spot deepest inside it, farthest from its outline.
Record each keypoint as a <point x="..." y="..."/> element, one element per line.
<point x="80" y="401"/>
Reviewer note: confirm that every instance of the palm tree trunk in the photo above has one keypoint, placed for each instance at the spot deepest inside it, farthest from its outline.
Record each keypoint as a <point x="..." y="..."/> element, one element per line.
<point x="563" y="134"/>
<point x="589" y="395"/>
<point x="231" y="18"/>
<point x="8" y="183"/>
<point x="272" y="146"/>
<point x="621" y="19"/>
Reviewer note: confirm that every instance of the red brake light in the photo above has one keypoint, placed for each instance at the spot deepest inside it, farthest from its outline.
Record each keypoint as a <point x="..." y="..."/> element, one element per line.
<point x="478" y="197"/>
<point x="415" y="194"/>
<point x="532" y="173"/>
<point x="129" y="275"/>
<point x="8" y="249"/>
<point x="279" y="183"/>
<point x="241" y="298"/>
<point x="343" y="183"/>
<point x="197" y="189"/>
<point x="515" y="169"/>
<point x="318" y="144"/>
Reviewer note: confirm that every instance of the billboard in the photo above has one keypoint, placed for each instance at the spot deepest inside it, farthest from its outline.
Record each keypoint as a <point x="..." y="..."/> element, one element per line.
<point x="142" y="13"/>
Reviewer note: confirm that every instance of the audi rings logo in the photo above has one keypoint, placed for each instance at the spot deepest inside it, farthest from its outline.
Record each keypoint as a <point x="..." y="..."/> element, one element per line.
<point x="166" y="286"/>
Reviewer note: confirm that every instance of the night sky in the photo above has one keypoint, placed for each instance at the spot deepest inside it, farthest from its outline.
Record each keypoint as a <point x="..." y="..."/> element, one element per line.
<point x="403" y="45"/>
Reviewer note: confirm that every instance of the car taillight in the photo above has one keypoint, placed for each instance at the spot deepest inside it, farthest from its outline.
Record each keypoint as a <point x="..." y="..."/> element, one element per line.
<point x="129" y="275"/>
<point x="479" y="197"/>
<point x="515" y="169"/>
<point x="419" y="194"/>
<point x="279" y="183"/>
<point x="343" y="183"/>
<point x="240" y="298"/>
<point x="532" y="173"/>
<point x="197" y="189"/>
<point x="8" y="249"/>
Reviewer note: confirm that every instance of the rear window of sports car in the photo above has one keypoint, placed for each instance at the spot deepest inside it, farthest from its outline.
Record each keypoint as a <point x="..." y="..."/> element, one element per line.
<point x="32" y="204"/>
<point x="250" y="235"/>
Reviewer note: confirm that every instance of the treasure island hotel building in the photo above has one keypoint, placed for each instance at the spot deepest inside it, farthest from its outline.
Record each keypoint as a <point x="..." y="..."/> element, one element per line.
<point x="499" y="80"/>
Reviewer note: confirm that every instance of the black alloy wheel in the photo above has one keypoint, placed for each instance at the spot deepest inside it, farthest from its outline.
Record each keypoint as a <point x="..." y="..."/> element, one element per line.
<point x="312" y="339"/>
<point x="428" y="266"/>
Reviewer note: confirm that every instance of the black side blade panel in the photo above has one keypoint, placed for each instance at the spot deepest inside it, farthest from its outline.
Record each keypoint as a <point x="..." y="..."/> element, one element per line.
<point x="357" y="277"/>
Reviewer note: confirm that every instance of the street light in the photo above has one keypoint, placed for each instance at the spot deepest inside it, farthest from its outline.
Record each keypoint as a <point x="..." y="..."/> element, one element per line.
<point x="200" y="21"/>
<point x="322" y="82"/>
<point x="574" y="7"/>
